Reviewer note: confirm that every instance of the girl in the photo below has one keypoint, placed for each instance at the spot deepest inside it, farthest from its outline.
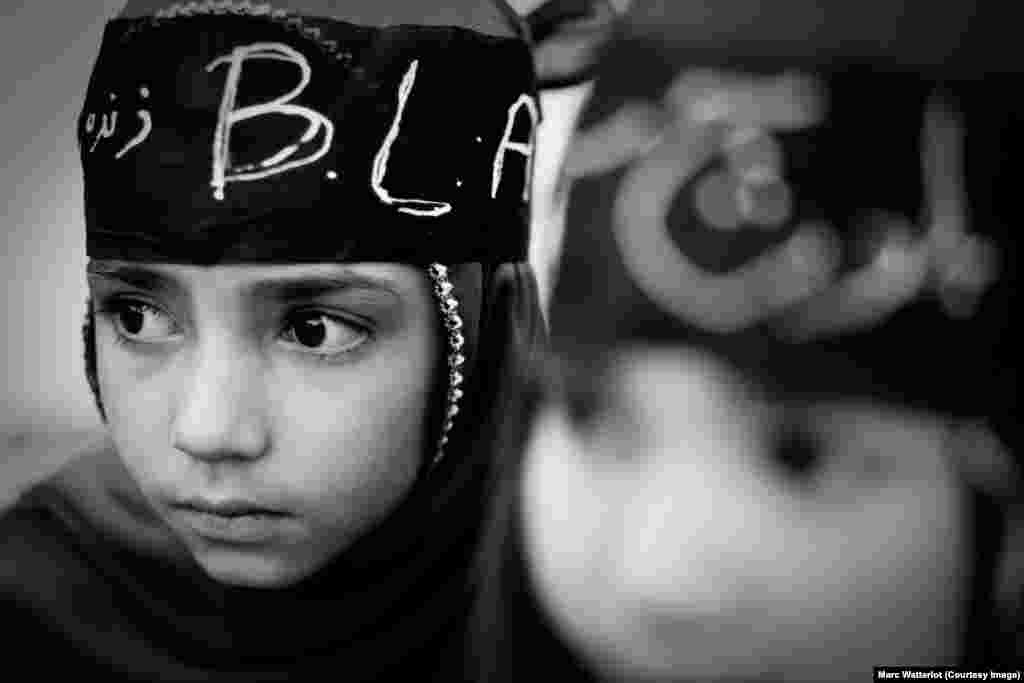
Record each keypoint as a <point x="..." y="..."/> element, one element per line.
<point x="307" y="227"/>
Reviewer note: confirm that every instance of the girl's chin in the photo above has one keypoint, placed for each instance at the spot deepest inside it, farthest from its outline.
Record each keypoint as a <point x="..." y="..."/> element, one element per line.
<point x="251" y="567"/>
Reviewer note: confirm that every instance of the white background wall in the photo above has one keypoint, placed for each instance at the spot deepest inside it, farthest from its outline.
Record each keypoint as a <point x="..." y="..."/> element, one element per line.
<point x="48" y="48"/>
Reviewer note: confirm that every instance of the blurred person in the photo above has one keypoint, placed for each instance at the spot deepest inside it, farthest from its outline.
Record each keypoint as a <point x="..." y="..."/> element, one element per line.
<point x="306" y="224"/>
<point x="779" y="436"/>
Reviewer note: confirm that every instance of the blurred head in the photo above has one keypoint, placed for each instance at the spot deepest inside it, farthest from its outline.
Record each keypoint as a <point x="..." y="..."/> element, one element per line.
<point x="781" y="306"/>
<point x="684" y="524"/>
<point x="274" y="342"/>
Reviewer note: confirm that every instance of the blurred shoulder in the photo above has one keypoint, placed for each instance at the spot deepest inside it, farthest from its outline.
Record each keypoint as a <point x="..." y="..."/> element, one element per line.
<point x="35" y="534"/>
<point x="29" y="457"/>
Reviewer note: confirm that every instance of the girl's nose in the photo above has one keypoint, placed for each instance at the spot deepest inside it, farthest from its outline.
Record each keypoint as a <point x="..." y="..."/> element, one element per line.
<point x="221" y="412"/>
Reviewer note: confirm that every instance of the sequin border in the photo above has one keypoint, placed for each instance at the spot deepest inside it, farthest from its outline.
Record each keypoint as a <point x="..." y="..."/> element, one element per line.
<point x="452" y="320"/>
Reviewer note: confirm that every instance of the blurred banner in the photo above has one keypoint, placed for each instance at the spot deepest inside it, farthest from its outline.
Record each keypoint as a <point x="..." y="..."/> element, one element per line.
<point x="853" y="236"/>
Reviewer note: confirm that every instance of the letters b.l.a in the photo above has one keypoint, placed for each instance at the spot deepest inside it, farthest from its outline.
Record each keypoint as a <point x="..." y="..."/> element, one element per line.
<point x="316" y="139"/>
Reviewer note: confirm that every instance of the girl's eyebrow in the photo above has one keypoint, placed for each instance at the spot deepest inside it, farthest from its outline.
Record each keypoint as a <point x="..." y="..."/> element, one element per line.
<point x="283" y="287"/>
<point x="299" y="287"/>
<point x="136" y="276"/>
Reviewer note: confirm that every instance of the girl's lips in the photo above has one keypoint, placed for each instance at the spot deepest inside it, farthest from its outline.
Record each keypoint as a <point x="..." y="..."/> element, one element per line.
<point x="233" y="522"/>
<point x="227" y="508"/>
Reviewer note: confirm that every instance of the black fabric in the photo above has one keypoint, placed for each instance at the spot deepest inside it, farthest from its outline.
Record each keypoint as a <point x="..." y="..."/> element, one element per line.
<point x="568" y="35"/>
<point x="870" y="146"/>
<point x="158" y="97"/>
<point x="954" y="40"/>
<point x="508" y="620"/>
<point x="100" y="607"/>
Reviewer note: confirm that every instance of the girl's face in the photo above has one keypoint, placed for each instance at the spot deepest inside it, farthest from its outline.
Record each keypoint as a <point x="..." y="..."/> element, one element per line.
<point x="270" y="414"/>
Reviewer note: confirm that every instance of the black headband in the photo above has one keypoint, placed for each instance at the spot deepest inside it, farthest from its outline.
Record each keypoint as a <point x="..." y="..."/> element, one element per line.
<point x="279" y="138"/>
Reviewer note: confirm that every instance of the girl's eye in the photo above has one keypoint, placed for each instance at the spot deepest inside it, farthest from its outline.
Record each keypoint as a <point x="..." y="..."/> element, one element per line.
<point x="324" y="334"/>
<point x="141" y="322"/>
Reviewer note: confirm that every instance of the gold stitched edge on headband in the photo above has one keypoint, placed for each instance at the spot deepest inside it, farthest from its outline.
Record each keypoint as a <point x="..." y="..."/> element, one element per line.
<point x="180" y="9"/>
<point x="287" y="18"/>
<point x="452" y="320"/>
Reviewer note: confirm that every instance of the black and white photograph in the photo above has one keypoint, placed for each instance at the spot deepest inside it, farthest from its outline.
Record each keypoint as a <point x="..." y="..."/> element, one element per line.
<point x="492" y="341"/>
